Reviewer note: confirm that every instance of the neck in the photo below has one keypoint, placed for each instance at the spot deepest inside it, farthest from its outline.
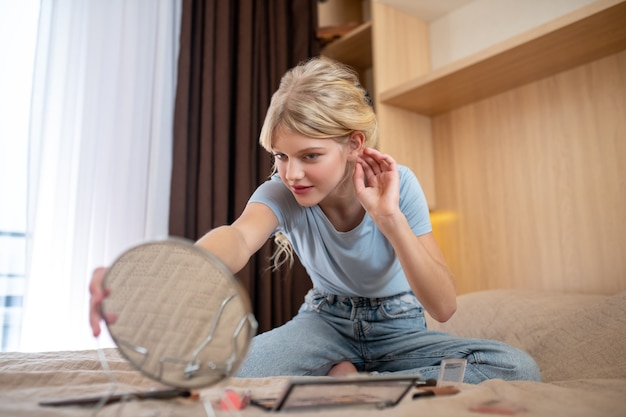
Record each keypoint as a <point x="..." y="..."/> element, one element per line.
<point x="343" y="209"/>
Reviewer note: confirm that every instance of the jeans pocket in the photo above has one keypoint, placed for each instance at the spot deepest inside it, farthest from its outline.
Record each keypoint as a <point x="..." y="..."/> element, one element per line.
<point x="403" y="306"/>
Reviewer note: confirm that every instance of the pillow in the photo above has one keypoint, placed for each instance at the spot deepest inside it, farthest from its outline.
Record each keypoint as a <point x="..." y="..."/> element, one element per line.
<point x="590" y="343"/>
<point x="506" y="314"/>
<point x="570" y="336"/>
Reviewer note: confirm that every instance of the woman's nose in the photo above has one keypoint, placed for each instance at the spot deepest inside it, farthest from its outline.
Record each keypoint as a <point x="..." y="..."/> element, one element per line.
<point x="294" y="171"/>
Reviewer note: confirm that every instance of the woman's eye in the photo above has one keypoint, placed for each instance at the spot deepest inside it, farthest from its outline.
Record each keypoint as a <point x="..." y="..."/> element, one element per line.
<point x="280" y="156"/>
<point x="311" y="157"/>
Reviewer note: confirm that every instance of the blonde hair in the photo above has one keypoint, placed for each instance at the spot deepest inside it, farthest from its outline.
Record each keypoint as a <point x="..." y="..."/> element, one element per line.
<point x="323" y="99"/>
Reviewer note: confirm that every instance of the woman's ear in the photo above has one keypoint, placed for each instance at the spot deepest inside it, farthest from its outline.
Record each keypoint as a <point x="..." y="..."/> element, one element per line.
<point x="356" y="142"/>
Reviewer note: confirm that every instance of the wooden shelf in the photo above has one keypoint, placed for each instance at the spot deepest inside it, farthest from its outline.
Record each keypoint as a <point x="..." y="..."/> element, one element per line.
<point x="587" y="34"/>
<point x="354" y="48"/>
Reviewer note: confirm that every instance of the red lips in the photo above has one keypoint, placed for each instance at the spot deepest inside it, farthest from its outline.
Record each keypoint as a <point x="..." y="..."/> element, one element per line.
<point x="300" y="190"/>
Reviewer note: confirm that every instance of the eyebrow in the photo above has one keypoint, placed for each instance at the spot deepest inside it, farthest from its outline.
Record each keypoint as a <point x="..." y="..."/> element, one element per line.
<point x="305" y="150"/>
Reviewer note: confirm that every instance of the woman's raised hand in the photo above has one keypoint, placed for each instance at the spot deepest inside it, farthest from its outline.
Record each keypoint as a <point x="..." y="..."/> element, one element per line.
<point x="377" y="183"/>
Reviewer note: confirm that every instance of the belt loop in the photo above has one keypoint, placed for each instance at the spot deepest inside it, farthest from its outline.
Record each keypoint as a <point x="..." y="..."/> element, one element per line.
<point x="331" y="299"/>
<point x="354" y="304"/>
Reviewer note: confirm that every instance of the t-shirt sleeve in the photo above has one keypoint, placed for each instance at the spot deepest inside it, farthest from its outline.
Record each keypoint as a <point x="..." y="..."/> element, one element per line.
<point x="276" y="196"/>
<point x="413" y="202"/>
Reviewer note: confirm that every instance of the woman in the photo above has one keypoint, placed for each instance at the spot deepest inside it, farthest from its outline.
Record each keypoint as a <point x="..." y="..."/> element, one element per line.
<point x="360" y="225"/>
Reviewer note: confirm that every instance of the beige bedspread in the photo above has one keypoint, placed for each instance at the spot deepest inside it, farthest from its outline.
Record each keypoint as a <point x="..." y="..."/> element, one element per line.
<point x="580" y="347"/>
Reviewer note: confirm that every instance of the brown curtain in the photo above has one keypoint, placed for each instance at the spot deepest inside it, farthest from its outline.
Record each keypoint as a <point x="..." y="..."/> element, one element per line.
<point x="232" y="56"/>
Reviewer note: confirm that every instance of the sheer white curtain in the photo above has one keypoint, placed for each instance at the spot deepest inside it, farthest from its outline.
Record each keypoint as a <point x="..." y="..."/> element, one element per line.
<point x="99" y="153"/>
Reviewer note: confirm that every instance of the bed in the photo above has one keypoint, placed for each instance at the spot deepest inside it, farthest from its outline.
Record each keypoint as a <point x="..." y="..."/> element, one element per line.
<point x="578" y="340"/>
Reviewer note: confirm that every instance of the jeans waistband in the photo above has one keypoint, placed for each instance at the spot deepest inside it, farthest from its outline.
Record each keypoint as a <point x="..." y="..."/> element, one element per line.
<point x="356" y="301"/>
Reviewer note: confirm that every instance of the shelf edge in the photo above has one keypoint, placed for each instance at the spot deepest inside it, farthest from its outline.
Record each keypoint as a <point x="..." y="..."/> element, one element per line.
<point x="349" y="50"/>
<point x="589" y="33"/>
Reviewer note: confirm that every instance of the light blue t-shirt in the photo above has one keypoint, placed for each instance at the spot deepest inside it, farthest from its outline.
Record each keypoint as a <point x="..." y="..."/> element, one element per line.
<point x="360" y="262"/>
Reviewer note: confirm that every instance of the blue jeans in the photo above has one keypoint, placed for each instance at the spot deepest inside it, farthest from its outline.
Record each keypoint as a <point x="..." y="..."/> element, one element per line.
<point x="380" y="335"/>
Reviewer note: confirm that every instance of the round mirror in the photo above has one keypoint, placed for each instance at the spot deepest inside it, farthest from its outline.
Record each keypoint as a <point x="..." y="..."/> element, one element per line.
<point x="177" y="313"/>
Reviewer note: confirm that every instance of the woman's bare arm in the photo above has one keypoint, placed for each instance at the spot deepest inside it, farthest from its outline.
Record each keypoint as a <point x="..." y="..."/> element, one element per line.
<point x="236" y="243"/>
<point x="233" y="245"/>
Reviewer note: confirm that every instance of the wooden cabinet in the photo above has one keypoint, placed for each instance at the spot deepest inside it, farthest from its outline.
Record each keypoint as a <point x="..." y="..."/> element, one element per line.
<point x="407" y="93"/>
<point x="354" y="48"/>
<point x="405" y="79"/>
<point x="351" y="20"/>
<point x="519" y="146"/>
<point x="591" y="32"/>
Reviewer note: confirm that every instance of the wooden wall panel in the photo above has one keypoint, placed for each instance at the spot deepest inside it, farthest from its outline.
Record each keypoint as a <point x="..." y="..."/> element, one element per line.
<point x="400" y="51"/>
<point x="531" y="184"/>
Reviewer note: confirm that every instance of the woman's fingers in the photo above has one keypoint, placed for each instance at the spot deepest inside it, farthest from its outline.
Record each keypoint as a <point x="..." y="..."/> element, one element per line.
<point x="358" y="178"/>
<point x="377" y="161"/>
<point x="97" y="295"/>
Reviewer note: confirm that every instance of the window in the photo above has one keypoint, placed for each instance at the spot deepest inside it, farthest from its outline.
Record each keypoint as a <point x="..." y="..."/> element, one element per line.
<point x="86" y="113"/>
<point x="18" y="30"/>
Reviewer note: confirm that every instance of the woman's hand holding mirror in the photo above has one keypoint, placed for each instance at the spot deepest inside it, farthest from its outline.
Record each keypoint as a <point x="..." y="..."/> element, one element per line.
<point x="98" y="293"/>
<point x="175" y="312"/>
